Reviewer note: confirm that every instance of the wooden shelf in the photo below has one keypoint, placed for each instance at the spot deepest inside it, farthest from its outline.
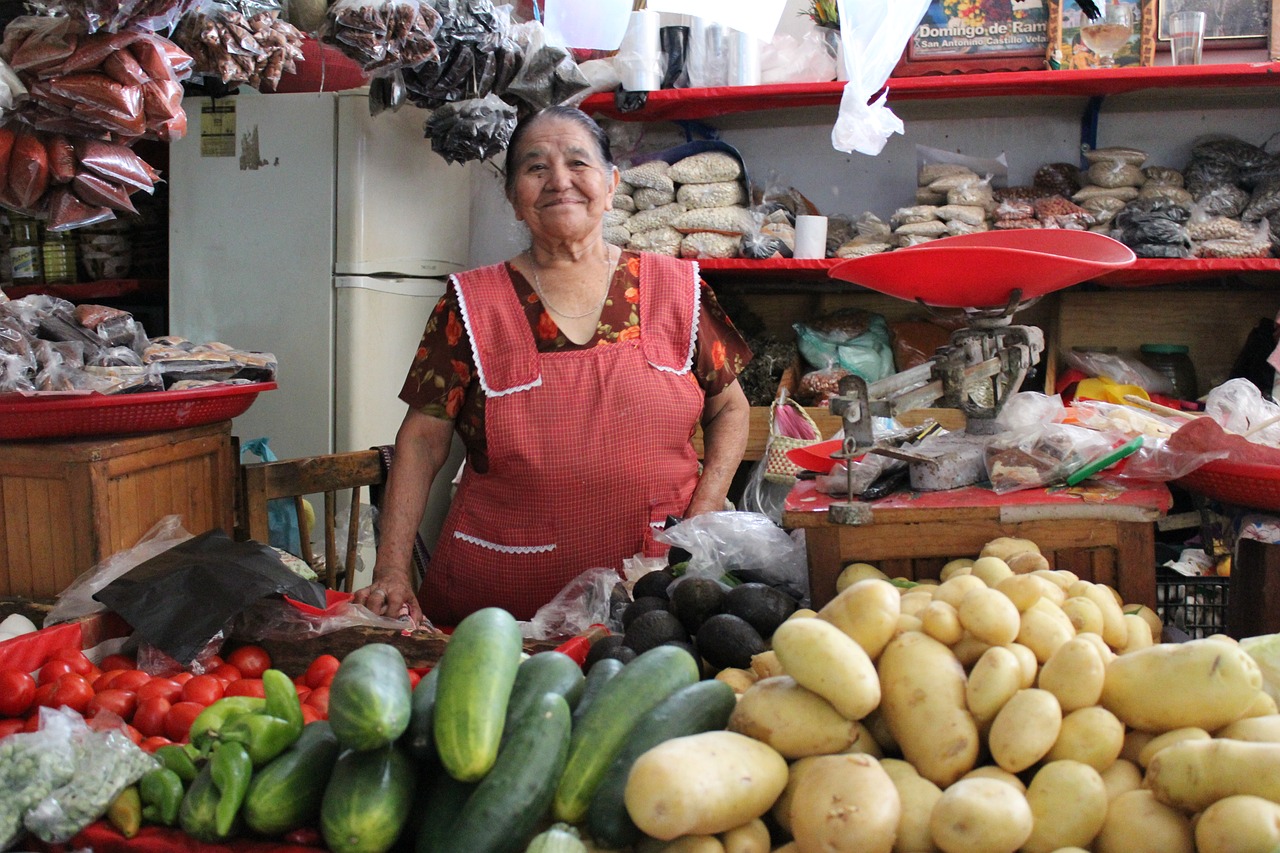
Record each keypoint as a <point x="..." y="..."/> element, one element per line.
<point x="677" y="104"/>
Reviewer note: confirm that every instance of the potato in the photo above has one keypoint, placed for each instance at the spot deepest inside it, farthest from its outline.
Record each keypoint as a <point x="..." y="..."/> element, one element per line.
<point x="1261" y="729"/>
<point x="1059" y="582"/>
<point x="1085" y="616"/>
<point x="738" y="679"/>
<point x="1160" y="741"/>
<point x="990" y="616"/>
<point x="684" y="844"/>
<point x="897" y="768"/>
<point x="1201" y="683"/>
<point x="803" y="613"/>
<point x="958" y="566"/>
<point x="1074" y="674"/>
<point x="990" y="570"/>
<point x="917" y="796"/>
<point x="1005" y="547"/>
<point x="781" y="808"/>
<point x="992" y="682"/>
<point x="1137" y="823"/>
<point x="1114" y="630"/>
<point x="1138" y="634"/>
<point x="1134" y="742"/>
<point x="954" y="590"/>
<point x="1054" y="786"/>
<point x="865" y="743"/>
<point x="1104" y="651"/>
<point x="703" y="784"/>
<point x="1262" y="706"/>
<point x="855" y="572"/>
<point x="824" y="659"/>
<point x="907" y="624"/>
<point x="1192" y="774"/>
<point x="990" y="771"/>
<point x="751" y="837"/>
<point x="1149" y="616"/>
<point x="1026" y="562"/>
<point x="1022" y="590"/>
<point x="846" y="803"/>
<point x="793" y="720"/>
<point x="1091" y="736"/>
<point x="1027" y="658"/>
<point x="1043" y="628"/>
<point x="969" y="649"/>
<point x="868" y="612"/>
<point x="1239" y="824"/>
<point x="915" y="602"/>
<point x="1121" y="776"/>
<point x="941" y="621"/>
<point x="980" y="816"/>
<point x="1025" y="729"/>
<point x="766" y="665"/>
<point x="922" y="701"/>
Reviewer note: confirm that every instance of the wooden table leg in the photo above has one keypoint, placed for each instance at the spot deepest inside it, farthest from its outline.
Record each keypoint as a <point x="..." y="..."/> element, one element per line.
<point x="1136" y="562"/>
<point x="825" y="563"/>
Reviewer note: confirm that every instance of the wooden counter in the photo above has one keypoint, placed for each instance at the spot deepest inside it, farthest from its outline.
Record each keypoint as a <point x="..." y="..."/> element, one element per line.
<point x="67" y="505"/>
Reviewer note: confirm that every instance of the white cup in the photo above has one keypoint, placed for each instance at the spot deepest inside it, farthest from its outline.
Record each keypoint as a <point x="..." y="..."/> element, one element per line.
<point x="811" y="237"/>
<point x="1186" y="37"/>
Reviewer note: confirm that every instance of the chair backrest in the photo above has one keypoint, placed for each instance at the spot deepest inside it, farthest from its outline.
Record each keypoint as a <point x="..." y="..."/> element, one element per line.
<point x="307" y="475"/>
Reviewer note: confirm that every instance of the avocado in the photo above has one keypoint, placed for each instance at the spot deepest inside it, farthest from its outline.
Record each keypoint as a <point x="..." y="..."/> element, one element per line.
<point x="764" y="607"/>
<point x="640" y="606"/>
<point x="621" y="652"/>
<point x="652" y="629"/>
<point x="694" y="599"/>
<point x="654" y="583"/>
<point x="600" y="650"/>
<point x="725" y="640"/>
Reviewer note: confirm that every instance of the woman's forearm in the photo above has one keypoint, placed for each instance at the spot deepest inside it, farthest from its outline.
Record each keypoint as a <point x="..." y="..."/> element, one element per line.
<point x="421" y="449"/>
<point x="724" y="438"/>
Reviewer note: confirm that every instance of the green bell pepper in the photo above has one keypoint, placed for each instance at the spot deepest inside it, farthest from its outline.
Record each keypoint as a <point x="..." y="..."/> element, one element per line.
<point x="268" y="733"/>
<point x="206" y="729"/>
<point x="231" y="769"/>
<point x="180" y="759"/>
<point x="161" y="790"/>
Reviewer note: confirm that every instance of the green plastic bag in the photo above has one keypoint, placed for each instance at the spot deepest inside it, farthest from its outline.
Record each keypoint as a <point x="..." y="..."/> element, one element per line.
<point x="282" y="515"/>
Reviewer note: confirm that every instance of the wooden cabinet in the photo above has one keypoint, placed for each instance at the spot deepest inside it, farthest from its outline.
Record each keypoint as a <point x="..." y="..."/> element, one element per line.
<point x="65" y="506"/>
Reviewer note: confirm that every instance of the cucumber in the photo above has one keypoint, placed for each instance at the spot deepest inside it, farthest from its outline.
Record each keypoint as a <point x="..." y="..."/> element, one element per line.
<point x="691" y="710"/>
<point x="286" y="793"/>
<point x="477" y="670"/>
<point x="367" y="800"/>
<point x="439" y="802"/>
<point x="504" y="812"/>
<point x="545" y="672"/>
<point x="651" y="677"/>
<point x="369" y="697"/>
<point x="418" y="739"/>
<point x="596" y="678"/>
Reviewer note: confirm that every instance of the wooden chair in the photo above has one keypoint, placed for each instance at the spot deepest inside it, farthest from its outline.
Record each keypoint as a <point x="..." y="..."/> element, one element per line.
<point x="293" y="478"/>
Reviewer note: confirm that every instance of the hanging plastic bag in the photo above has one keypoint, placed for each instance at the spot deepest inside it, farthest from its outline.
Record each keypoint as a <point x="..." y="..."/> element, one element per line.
<point x="583" y="602"/>
<point x="548" y="75"/>
<point x="282" y="516"/>
<point x="747" y="544"/>
<point x="874" y="35"/>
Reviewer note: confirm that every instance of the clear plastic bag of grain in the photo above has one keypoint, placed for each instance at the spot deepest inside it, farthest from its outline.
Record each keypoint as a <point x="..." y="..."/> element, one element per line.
<point x="713" y="194"/>
<point x="1236" y="152"/>
<point x="1116" y="153"/>
<point x="662" y="241"/>
<point x="1200" y="173"/>
<point x="1264" y="201"/>
<point x="656" y="217"/>
<point x="647" y="198"/>
<point x="1163" y="175"/>
<point x="707" y="167"/>
<point x="1058" y="178"/>
<point x="1115" y="173"/>
<point x="976" y="192"/>
<point x="708" y="244"/>
<point x="1220" y="199"/>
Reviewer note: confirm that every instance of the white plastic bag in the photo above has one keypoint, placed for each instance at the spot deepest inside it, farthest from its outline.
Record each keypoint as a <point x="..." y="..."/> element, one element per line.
<point x="748" y="544"/>
<point x="583" y="602"/>
<point x="788" y="59"/>
<point x="874" y="34"/>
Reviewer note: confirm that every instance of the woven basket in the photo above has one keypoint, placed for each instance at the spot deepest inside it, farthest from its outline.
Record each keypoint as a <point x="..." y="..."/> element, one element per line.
<point x="778" y="468"/>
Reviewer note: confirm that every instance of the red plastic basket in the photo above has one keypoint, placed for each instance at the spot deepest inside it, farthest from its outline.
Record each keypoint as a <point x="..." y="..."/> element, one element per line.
<point x="1240" y="483"/>
<point x="85" y="415"/>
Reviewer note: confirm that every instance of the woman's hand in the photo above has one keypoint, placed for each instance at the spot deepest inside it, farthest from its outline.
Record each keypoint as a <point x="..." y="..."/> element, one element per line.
<point x="391" y="594"/>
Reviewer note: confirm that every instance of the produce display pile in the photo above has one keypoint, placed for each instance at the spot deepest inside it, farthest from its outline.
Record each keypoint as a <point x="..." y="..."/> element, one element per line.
<point x="1008" y="706"/>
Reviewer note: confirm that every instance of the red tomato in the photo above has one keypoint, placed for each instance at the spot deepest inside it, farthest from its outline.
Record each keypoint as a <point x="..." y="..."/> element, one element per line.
<point x="164" y="688"/>
<point x="251" y="660"/>
<point x="303" y="693"/>
<point x="151" y="744"/>
<point x="17" y="692"/>
<point x="131" y="679"/>
<point x="103" y="682"/>
<point x="246" y="687"/>
<point x="80" y="664"/>
<point x="133" y="734"/>
<point x="227" y="673"/>
<point x="321" y="671"/>
<point x="183" y="677"/>
<point x="118" y="662"/>
<point x="74" y="691"/>
<point x="122" y="703"/>
<point x="44" y="696"/>
<point x="52" y="671"/>
<point x="203" y="690"/>
<point x="9" y="727"/>
<point x="319" y="699"/>
<point x="310" y="714"/>
<point x="414" y="678"/>
<point x="177" y="723"/>
<point x="32" y="724"/>
<point x="150" y="715"/>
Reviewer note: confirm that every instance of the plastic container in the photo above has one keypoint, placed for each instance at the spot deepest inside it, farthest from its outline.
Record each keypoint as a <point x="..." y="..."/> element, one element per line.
<point x="1173" y="361"/>
<point x="24" y="252"/>
<point x="58" y="252"/>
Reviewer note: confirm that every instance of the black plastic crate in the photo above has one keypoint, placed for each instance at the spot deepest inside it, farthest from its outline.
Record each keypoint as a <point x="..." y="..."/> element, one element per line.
<point x="1197" y="605"/>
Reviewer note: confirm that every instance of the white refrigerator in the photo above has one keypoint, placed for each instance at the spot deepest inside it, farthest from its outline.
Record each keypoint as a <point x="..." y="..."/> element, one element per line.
<point x="303" y="226"/>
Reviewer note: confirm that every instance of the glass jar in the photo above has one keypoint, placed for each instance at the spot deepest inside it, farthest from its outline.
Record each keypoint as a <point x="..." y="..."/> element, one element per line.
<point x="59" y="251"/>
<point x="1174" y="362"/>
<point x="25" y="263"/>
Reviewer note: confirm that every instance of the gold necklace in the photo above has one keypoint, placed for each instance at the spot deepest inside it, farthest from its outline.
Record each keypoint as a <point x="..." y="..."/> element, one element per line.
<point x="537" y="288"/>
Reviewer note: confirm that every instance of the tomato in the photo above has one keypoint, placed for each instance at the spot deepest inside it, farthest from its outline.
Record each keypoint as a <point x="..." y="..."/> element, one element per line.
<point x="32" y="724"/>
<point x="414" y="678"/>
<point x="52" y="671"/>
<point x="103" y="682"/>
<point x="133" y="734"/>
<point x="303" y="693"/>
<point x="321" y="671"/>
<point x="251" y="660"/>
<point x="203" y="690"/>
<point x="9" y="727"/>
<point x="17" y="692"/>
<point x="74" y="691"/>
<point x="150" y="715"/>
<point x="183" y="677"/>
<point x="122" y="703"/>
<point x="80" y="664"/>
<point x="227" y="674"/>
<point x="177" y="723"/>
<point x="131" y="679"/>
<point x="246" y="687"/>
<point x="117" y="662"/>
<point x="165" y="688"/>
<point x="310" y="714"/>
<point x="44" y="695"/>
<point x="151" y="744"/>
<point x="319" y="699"/>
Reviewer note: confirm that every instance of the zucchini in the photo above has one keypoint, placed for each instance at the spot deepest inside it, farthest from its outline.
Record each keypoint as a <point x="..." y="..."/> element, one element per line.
<point x="545" y="672"/>
<point x="418" y="739"/>
<point x="691" y="710"/>
<point x="596" y="678"/>
<point x="477" y="670"/>
<point x="369" y="697"/>
<point x="651" y="677"/>
<point x="286" y="793"/>
<point x="440" y="801"/>
<point x="367" y="800"/>
<point x="504" y="811"/>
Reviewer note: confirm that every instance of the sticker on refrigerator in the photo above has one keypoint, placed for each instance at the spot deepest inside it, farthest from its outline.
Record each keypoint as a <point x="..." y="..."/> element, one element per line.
<point x="218" y="128"/>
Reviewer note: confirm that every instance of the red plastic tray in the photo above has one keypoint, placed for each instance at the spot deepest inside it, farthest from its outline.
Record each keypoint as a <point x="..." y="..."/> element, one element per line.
<point x="1240" y="483"/>
<point x="85" y="415"/>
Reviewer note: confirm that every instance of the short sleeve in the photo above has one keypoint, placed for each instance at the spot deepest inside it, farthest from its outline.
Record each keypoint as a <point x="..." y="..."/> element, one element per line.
<point x="721" y="352"/>
<point x="443" y="369"/>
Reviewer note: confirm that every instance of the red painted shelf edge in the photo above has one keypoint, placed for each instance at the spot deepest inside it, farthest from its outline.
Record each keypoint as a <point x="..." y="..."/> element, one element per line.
<point x="113" y="288"/>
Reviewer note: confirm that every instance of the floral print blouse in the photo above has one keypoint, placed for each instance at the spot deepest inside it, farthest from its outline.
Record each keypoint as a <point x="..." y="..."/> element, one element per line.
<point x="442" y="380"/>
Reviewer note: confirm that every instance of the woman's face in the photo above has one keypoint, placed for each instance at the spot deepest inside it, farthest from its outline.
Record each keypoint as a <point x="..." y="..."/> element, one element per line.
<point x="562" y="186"/>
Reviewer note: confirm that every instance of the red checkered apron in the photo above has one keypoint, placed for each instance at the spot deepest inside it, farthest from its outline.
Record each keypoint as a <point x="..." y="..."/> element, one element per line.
<point x="589" y="450"/>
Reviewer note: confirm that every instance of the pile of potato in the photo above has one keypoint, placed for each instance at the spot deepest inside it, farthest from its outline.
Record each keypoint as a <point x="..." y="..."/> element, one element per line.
<point x="1009" y="707"/>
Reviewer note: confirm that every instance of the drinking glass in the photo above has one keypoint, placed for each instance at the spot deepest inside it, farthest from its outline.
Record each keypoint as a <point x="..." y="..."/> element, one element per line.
<point x="1109" y="33"/>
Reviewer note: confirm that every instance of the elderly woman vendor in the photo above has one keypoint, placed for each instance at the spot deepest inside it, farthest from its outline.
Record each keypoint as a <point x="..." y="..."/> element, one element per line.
<point x="575" y="374"/>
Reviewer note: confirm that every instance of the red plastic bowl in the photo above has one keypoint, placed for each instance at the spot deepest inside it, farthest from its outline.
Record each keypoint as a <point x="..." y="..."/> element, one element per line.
<point x="816" y="457"/>
<point x="1240" y="483"/>
<point x="983" y="270"/>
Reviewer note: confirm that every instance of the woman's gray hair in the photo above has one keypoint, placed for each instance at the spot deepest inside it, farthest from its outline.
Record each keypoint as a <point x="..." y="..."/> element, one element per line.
<point x="572" y="114"/>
